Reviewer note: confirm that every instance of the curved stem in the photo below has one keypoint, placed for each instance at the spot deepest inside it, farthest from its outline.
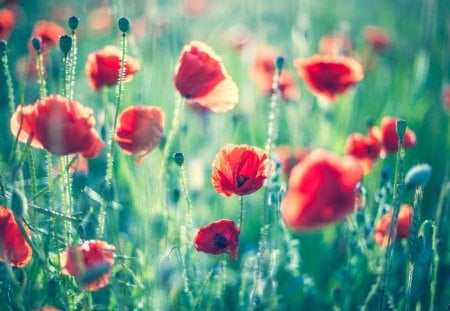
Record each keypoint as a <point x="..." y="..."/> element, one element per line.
<point x="205" y="282"/>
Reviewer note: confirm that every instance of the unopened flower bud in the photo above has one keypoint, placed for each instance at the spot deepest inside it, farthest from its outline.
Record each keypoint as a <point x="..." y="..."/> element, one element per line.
<point x="401" y="128"/>
<point x="65" y="43"/>
<point x="124" y="24"/>
<point x="279" y="62"/>
<point x="73" y="22"/>
<point x="179" y="158"/>
<point x="37" y="43"/>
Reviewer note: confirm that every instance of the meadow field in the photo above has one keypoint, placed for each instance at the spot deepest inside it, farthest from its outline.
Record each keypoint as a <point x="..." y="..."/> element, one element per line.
<point x="224" y="155"/>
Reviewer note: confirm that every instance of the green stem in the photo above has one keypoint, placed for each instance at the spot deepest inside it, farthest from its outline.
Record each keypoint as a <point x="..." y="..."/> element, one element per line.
<point x="241" y="213"/>
<point x="271" y="137"/>
<point x="110" y="157"/>
<point x="40" y="65"/>
<point x="9" y="85"/>
<point x="188" y="201"/>
<point x="398" y="193"/>
<point x="161" y="187"/>
<point x="73" y="64"/>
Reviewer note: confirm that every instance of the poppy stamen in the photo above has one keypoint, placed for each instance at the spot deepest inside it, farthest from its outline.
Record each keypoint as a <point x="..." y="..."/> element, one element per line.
<point x="220" y="241"/>
<point x="240" y="180"/>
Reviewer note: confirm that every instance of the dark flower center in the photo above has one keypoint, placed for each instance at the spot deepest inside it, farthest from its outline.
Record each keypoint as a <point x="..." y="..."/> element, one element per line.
<point x="241" y="180"/>
<point x="369" y="150"/>
<point x="220" y="241"/>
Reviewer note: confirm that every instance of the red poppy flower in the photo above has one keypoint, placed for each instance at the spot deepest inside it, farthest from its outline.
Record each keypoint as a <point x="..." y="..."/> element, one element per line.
<point x="218" y="237"/>
<point x="376" y="37"/>
<point x="7" y="22"/>
<point x="404" y="221"/>
<point x="13" y="247"/>
<point x="321" y="190"/>
<point x="140" y="130"/>
<point x="200" y="76"/>
<point x="365" y="149"/>
<point x="90" y="263"/>
<point x="239" y="169"/>
<point x="289" y="157"/>
<point x="263" y="71"/>
<point x="336" y="44"/>
<point x="329" y="76"/>
<point x="58" y="125"/>
<point x="49" y="32"/>
<point x="103" y="67"/>
<point x="389" y="137"/>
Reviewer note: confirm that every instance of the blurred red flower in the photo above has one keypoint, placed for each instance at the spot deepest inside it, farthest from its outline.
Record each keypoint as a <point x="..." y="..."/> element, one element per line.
<point x="239" y="169"/>
<point x="49" y="32"/>
<point x="103" y="67"/>
<point x="7" y="22"/>
<point x="218" y="237"/>
<point x="336" y="44"/>
<point x="13" y="247"/>
<point x="321" y="190"/>
<point x="140" y="130"/>
<point x="58" y="125"/>
<point x="376" y="37"/>
<point x="388" y="134"/>
<point x="90" y="263"/>
<point x="365" y="149"/>
<point x="100" y="20"/>
<point x="201" y="77"/>
<point x="445" y="96"/>
<point x="263" y="70"/>
<point x="289" y="157"/>
<point x="328" y="76"/>
<point x="404" y="221"/>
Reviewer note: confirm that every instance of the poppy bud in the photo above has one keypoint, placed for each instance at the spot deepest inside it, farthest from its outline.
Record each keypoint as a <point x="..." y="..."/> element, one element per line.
<point x="369" y="123"/>
<point x="401" y="128"/>
<point x="19" y="203"/>
<point x="3" y="45"/>
<point x="65" y="44"/>
<point x="178" y="157"/>
<point x="124" y="24"/>
<point x="37" y="43"/>
<point x="418" y="175"/>
<point x="279" y="62"/>
<point x="73" y="22"/>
